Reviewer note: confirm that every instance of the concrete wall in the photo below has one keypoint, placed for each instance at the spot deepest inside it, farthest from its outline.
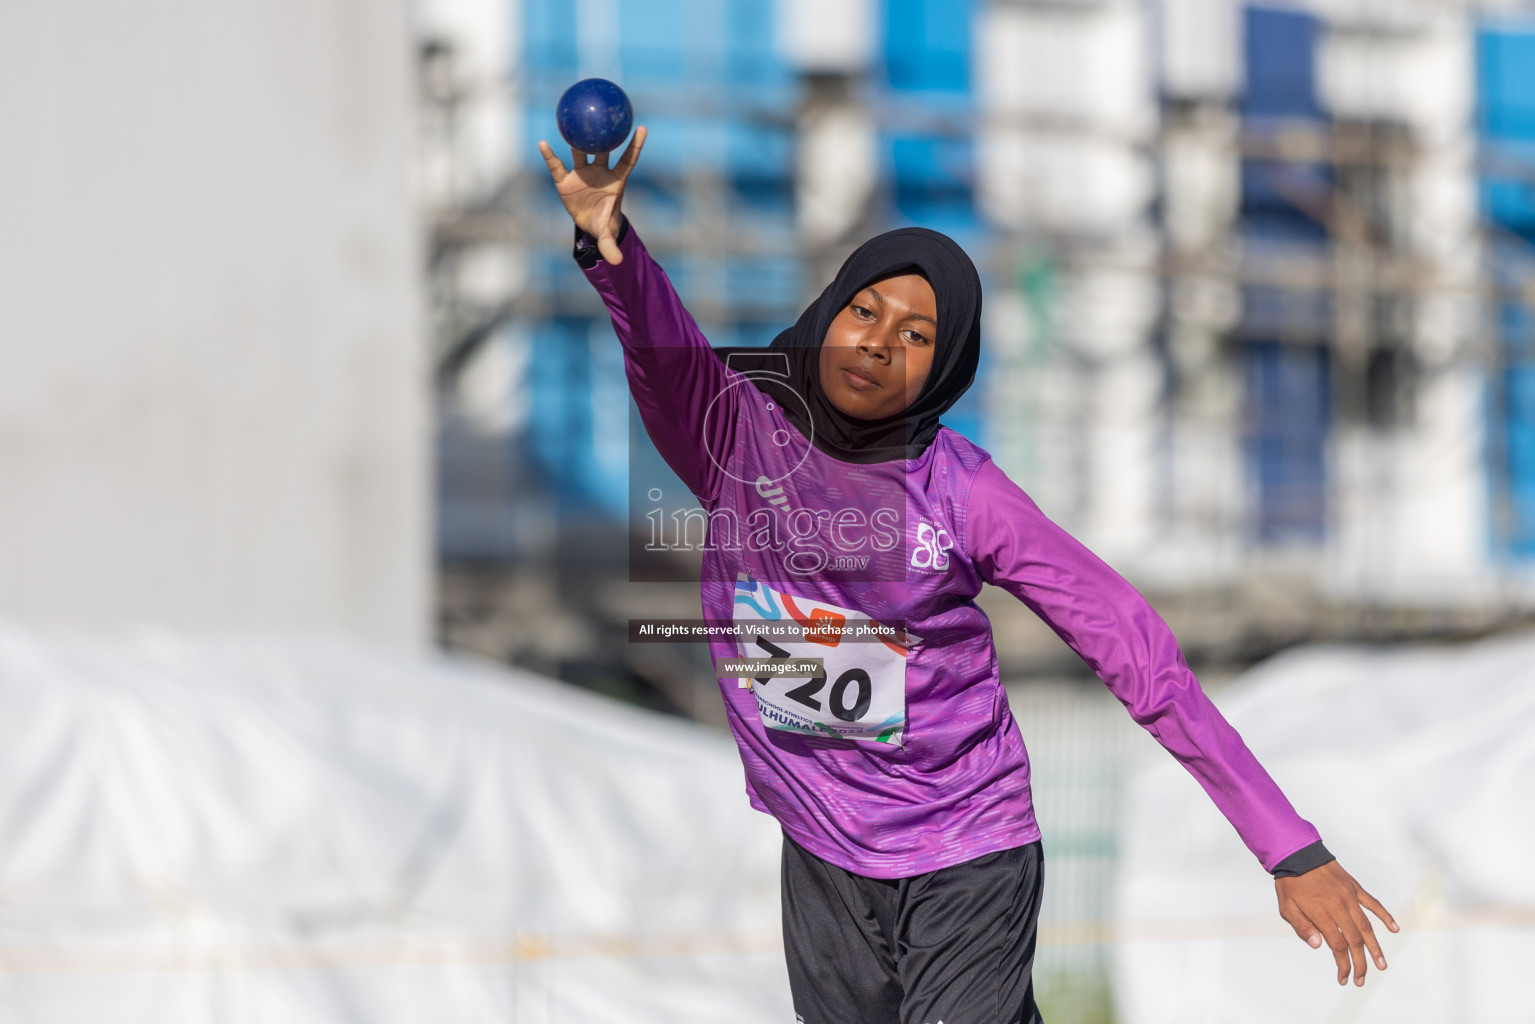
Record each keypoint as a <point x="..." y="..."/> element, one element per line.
<point x="212" y="385"/>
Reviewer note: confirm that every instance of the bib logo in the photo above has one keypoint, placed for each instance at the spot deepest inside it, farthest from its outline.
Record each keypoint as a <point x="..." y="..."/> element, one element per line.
<point x="933" y="547"/>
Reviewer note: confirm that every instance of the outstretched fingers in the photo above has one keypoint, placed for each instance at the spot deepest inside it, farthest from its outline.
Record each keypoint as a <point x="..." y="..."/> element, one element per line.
<point x="1357" y="927"/>
<point x="1348" y="935"/>
<point x="1375" y="907"/>
<point x="1338" y="943"/>
<point x="1367" y="935"/>
<point x="631" y="153"/>
<point x="556" y="168"/>
<point x="1304" y="929"/>
<point x="1328" y="931"/>
<point x="1358" y="940"/>
<point x="1327" y="905"/>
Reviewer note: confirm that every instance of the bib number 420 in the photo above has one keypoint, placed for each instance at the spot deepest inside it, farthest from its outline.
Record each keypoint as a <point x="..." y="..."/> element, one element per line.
<point x="860" y="693"/>
<point x="855" y="679"/>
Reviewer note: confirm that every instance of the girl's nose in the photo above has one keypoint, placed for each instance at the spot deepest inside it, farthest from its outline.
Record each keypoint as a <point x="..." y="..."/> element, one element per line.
<point x="874" y="343"/>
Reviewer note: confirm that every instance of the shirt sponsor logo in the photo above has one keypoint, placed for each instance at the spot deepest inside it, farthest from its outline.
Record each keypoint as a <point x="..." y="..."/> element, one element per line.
<point x="931" y="553"/>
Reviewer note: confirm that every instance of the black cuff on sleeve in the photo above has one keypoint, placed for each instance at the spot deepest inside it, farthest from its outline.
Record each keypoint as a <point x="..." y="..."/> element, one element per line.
<point x="1302" y="861"/>
<point x="585" y="250"/>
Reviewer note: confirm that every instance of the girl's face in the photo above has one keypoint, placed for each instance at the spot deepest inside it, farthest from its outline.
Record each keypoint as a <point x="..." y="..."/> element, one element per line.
<point x="878" y="351"/>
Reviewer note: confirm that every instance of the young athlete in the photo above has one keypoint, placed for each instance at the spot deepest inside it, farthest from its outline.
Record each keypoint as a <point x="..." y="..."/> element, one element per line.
<point x="840" y="509"/>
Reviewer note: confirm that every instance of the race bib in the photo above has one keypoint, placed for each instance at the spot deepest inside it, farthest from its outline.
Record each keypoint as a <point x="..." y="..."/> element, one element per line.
<point x="860" y="692"/>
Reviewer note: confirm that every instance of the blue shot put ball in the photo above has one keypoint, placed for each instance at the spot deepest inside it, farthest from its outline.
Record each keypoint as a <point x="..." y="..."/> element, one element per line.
<point x="594" y="115"/>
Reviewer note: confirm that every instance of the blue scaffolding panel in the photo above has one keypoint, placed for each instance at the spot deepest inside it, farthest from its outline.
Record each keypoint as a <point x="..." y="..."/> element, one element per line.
<point x="1288" y="388"/>
<point x="1506" y="125"/>
<point x="706" y="80"/>
<point x="1280" y="47"/>
<point x="927" y="69"/>
<point x="1288" y="416"/>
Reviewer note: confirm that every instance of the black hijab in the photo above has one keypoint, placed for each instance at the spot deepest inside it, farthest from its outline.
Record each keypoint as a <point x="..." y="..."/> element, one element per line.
<point x="906" y="435"/>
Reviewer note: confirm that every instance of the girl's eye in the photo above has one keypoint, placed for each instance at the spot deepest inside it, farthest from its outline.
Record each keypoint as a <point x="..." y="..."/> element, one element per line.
<point x="916" y="339"/>
<point x="862" y="312"/>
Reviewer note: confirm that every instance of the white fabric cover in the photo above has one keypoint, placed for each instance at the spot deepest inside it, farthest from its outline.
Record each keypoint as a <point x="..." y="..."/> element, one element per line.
<point x="1418" y="767"/>
<point x="300" y="830"/>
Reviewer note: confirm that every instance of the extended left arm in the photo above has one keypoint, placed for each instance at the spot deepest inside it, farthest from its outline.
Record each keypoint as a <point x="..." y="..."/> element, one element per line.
<point x="1112" y="628"/>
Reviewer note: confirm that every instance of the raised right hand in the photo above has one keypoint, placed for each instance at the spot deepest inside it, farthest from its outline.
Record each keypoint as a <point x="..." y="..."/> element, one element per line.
<point x="593" y="192"/>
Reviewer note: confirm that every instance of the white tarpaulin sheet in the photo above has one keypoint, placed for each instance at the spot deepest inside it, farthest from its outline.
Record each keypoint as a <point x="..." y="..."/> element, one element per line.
<point x="1418" y="767"/>
<point x="233" y="830"/>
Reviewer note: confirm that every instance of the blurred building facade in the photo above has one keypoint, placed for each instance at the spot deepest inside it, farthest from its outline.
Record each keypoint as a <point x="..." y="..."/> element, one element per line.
<point x="1257" y="274"/>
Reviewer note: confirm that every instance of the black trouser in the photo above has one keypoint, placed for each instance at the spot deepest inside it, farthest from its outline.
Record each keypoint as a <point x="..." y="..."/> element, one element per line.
<point x="954" y="945"/>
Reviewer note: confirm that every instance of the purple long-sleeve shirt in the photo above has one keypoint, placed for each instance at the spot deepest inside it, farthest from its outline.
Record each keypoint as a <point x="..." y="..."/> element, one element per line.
<point x="901" y="757"/>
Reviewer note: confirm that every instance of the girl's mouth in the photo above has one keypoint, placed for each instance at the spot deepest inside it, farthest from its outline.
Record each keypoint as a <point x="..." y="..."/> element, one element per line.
<point x="857" y="381"/>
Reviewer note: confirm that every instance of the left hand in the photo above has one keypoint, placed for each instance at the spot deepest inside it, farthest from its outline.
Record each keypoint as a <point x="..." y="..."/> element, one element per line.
<point x="1326" y="905"/>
